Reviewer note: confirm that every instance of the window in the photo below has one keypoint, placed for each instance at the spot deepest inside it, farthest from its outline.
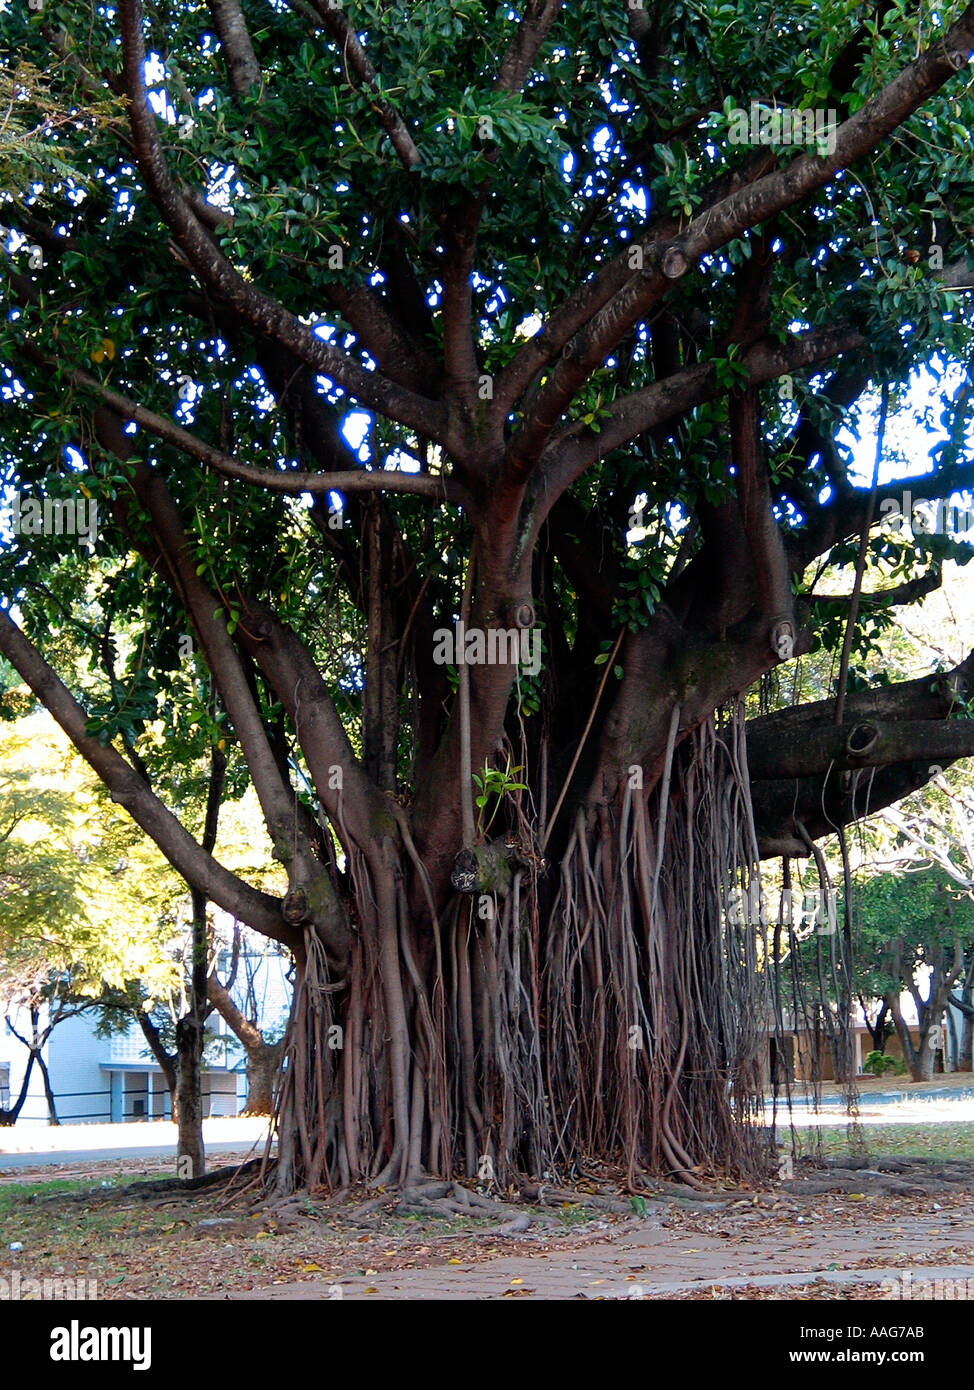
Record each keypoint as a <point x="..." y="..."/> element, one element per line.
<point x="4" y="1085"/>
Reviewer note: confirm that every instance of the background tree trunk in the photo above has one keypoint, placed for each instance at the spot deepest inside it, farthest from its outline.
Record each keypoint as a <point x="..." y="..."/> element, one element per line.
<point x="963" y="1004"/>
<point x="189" y="1050"/>
<point x="263" y="1058"/>
<point x="10" y="1117"/>
<point x="190" y="1157"/>
<point x="878" y="1029"/>
<point x="167" y="1062"/>
<point x="911" y="1055"/>
<point x="48" y="1092"/>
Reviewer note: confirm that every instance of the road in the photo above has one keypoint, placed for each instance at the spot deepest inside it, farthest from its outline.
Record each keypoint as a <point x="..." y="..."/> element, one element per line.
<point x="74" y="1144"/>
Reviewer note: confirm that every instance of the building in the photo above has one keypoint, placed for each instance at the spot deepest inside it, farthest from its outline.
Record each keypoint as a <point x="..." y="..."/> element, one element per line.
<point x="793" y="1053"/>
<point x="101" y="1080"/>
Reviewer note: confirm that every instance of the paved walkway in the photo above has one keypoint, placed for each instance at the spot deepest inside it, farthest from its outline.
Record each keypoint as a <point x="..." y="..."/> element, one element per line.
<point x="645" y="1258"/>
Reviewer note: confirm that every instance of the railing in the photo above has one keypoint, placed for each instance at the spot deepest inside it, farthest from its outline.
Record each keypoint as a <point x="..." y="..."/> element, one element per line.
<point x="159" y="1094"/>
<point x="105" y="1114"/>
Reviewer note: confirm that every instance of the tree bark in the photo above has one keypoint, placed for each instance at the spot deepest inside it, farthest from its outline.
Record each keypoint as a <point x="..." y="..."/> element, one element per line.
<point x="964" y="1005"/>
<point x="48" y="1093"/>
<point x="190" y="1157"/>
<point x="911" y="1055"/>
<point x="878" y="1033"/>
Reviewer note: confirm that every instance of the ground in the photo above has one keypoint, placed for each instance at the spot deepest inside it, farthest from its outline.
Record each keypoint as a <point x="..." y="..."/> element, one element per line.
<point x="841" y="1227"/>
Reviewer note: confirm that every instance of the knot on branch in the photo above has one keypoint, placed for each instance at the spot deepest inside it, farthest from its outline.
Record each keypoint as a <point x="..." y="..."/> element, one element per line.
<point x="294" y="909"/>
<point x="674" y="262"/>
<point x="862" y="740"/>
<point x="490" y="867"/>
<point x="520" y="613"/>
<point x="483" y="869"/>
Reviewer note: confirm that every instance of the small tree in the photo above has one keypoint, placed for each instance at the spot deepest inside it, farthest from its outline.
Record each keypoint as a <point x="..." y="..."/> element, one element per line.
<point x="80" y="893"/>
<point x="46" y="997"/>
<point x="913" y="924"/>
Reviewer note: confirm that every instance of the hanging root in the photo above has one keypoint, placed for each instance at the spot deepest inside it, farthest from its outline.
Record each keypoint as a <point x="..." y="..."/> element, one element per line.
<point x="656" y="1003"/>
<point x="616" y="1012"/>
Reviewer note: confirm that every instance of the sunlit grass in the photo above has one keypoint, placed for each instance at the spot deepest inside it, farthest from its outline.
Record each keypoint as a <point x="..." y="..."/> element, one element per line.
<point x="954" y="1139"/>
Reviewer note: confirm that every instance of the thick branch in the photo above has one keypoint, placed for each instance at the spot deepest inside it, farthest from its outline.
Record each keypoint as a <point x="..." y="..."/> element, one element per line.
<point x="535" y="25"/>
<point x="578" y="447"/>
<point x="288" y="481"/>
<point x="350" y="799"/>
<point x="241" y="61"/>
<point x="857" y="745"/>
<point x="884" y="598"/>
<point x="359" y="72"/>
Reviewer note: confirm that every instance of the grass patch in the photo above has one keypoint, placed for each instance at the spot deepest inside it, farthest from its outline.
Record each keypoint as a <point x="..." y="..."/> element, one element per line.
<point x="953" y="1139"/>
<point x="75" y="1226"/>
<point x="15" y="1196"/>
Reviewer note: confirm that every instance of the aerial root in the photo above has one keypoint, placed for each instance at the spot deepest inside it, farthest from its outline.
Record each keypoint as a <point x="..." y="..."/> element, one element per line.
<point x="546" y="1195"/>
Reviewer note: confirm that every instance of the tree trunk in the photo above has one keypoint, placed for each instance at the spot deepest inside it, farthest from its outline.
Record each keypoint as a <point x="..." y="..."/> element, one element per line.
<point x="615" y="1007"/>
<point x="877" y="1030"/>
<point x="167" y="1062"/>
<point x="952" y="1042"/>
<point x="964" y="1005"/>
<point x="926" y="1054"/>
<point x="263" y="1058"/>
<point x="190" y="1160"/>
<point x="9" y="1117"/>
<point x="49" y="1094"/>
<point x="911" y="1055"/>
<point x="189" y="1029"/>
<point x="263" y="1066"/>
